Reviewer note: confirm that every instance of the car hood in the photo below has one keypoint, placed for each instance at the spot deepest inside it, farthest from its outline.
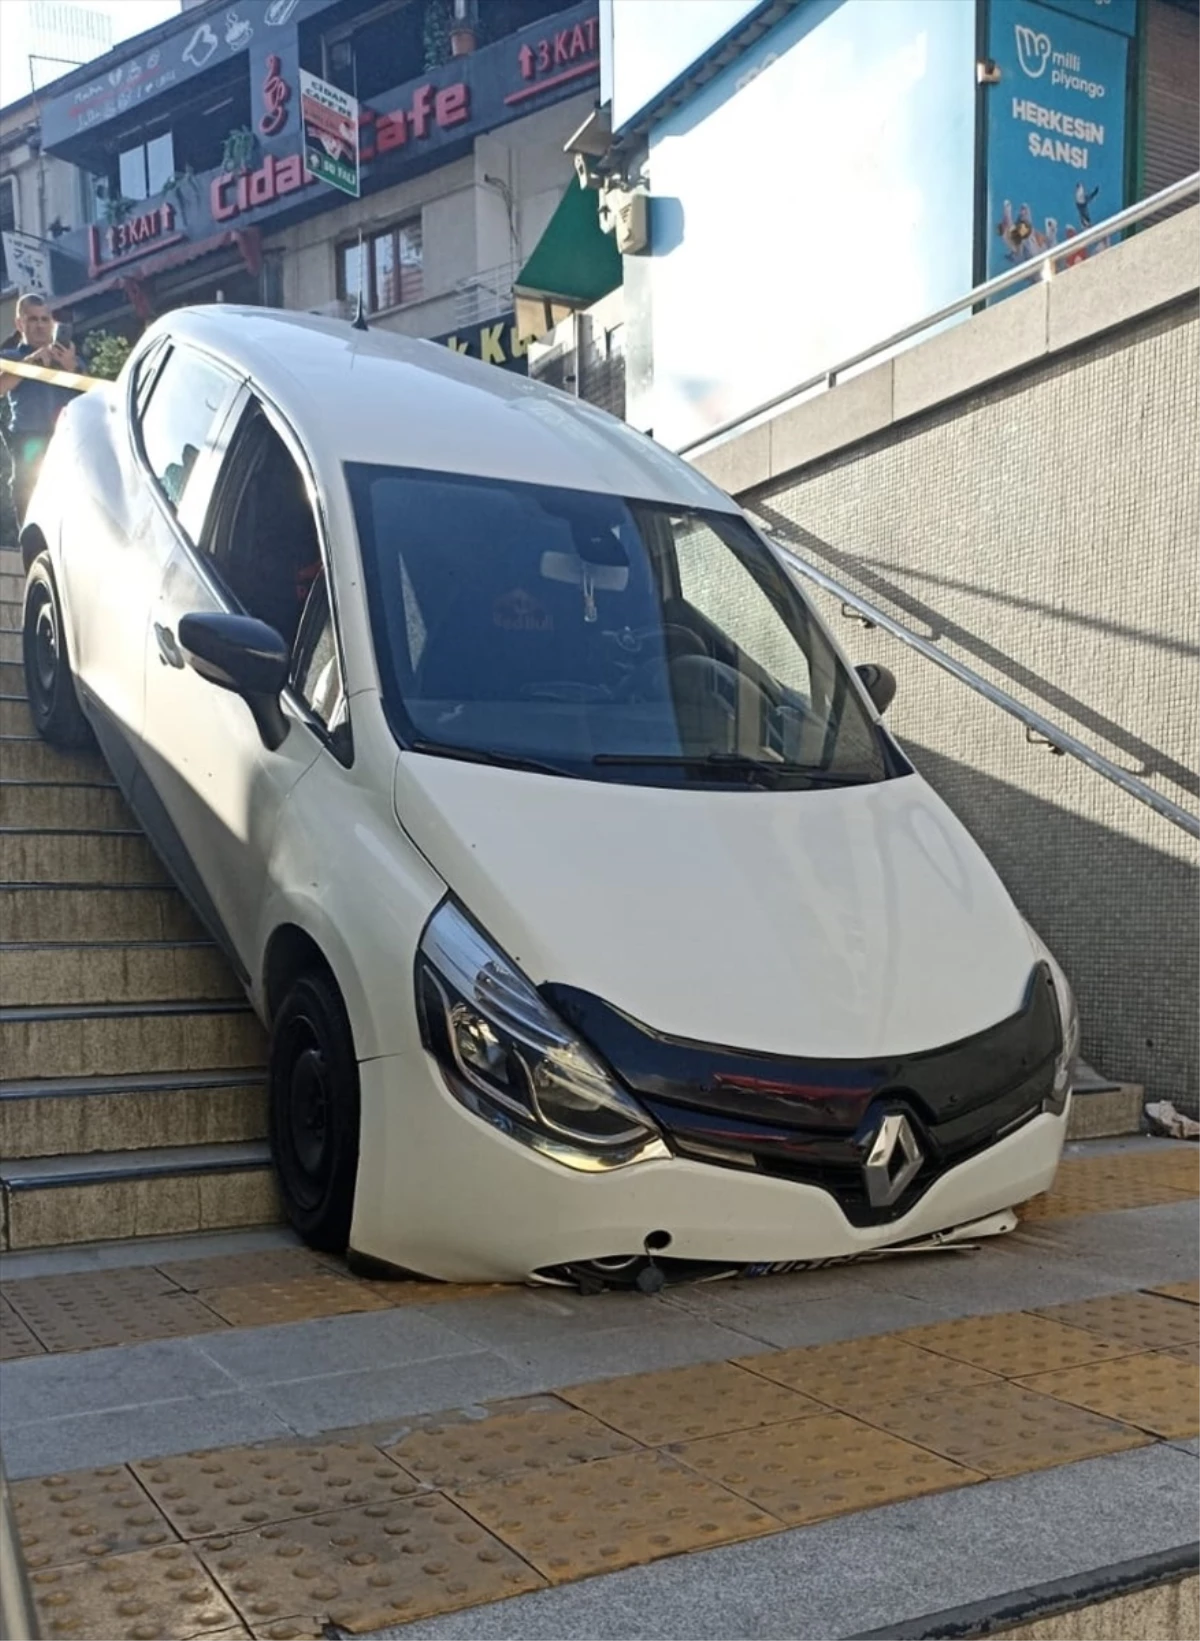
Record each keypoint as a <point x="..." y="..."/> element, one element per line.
<point x="846" y="922"/>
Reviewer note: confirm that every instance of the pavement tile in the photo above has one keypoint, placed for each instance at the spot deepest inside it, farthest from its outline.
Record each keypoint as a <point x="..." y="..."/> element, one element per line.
<point x="591" y="1518"/>
<point x="1002" y="1429"/>
<point x="336" y="1400"/>
<point x="367" y="1567"/>
<point x="687" y="1402"/>
<point x="291" y="1299"/>
<point x="16" y="1337"/>
<point x="1116" y="1180"/>
<point x="1155" y="1391"/>
<point x="292" y="1351"/>
<point x="478" y="1450"/>
<point x="1133" y="1321"/>
<point x="858" y="1374"/>
<point x="48" y="1387"/>
<point x="666" y="1339"/>
<point x="231" y="1489"/>
<point x="150" y="1595"/>
<point x="1013" y="1343"/>
<point x="1188" y="1292"/>
<point x="236" y="1270"/>
<point x="90" y="1310"/>
<point x="820" y="1467"/>
<point x="85" y="1515"/>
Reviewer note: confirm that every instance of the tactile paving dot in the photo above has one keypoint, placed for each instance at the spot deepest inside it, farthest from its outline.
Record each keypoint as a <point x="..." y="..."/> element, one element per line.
<point x="592" y="1518"/>
<point x="454" y="1455"/>
<point x="385" y="1563"/>
<point x="293" y="1299"/>
<point x="1013" y="1343"/>
<point x="681" y="1403"/>
<point x="856" y="1374"/>
<point x="151" y="1595"/>
<point x="821" y="1467"/>
<point x="1187" y="1292"/>
<point x="1132" y="1321"/>
<point x="236" y="1270"/>
<point x="85" y="1515"/>
<point x="230" y="1489"/>
<point x="1156" y="1391"/>
<point x="90" y="1309"/>
<point x="1003" y="1429"/>
<point x="1117" y="1180"/>
<point x="16" y="1338"/>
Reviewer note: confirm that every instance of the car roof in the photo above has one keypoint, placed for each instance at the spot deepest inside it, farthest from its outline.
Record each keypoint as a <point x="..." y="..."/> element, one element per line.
<point x="376" y="396"/>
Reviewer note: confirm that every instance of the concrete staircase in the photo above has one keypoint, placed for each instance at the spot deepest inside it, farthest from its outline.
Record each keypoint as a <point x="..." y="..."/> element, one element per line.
<point x="132" y="1098"/>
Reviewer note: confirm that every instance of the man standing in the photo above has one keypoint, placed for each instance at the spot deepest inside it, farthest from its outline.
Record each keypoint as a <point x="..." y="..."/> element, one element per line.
<point x="33" y="407"/>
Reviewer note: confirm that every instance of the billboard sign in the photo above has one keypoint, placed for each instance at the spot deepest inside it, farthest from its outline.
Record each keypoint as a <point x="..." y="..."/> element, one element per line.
<point x="27" y="260"/>
<point x="329" y="118"/>
<point x="1055" y="130"/>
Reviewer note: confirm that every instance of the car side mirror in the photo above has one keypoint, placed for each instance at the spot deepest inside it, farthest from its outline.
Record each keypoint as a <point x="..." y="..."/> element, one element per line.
<point x="880" y="684"/>
<point x="238" y="653"/>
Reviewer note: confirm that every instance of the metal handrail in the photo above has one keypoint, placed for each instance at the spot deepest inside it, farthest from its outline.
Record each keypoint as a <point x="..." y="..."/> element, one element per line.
<point x="1041" y="266"/>
<point x="1008" y="703"/>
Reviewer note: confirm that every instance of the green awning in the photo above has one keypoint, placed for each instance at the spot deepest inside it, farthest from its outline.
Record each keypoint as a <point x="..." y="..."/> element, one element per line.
<point x="575" y="262"/>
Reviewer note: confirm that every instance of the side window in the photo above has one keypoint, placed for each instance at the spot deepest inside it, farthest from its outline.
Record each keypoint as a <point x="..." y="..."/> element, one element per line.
<point x="316" y="674"/>
<point x="178" y="417"/>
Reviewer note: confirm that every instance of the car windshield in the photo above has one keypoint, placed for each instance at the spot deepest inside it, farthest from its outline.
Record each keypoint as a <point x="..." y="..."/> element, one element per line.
<point x="611" y="639"/>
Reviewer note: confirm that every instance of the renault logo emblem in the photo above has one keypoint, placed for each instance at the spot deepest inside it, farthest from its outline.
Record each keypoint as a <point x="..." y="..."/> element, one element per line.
<point x="894" y="1161"/>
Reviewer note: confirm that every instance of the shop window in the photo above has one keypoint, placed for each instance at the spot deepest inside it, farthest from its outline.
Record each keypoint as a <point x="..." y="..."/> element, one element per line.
<point x="380" y="49"/>
<point x="387" y="267"/>
<point x="143" y="170"/>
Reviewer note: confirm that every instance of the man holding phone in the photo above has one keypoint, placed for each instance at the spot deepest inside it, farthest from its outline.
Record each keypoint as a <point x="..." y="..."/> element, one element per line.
<point x="33" y="407"/>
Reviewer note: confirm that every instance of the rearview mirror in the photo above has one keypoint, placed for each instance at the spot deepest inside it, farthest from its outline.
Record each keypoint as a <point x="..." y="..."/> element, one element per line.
<point x="579" y="572"/>
<point x="238" y="653"/>
<point x="880" y="684"/>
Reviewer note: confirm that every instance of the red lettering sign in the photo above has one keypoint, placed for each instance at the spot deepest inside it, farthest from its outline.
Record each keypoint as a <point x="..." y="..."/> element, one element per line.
<point x="566" y="55"/>
<point x="230" y="196"/>
<point x="127" y="239"/>
<point x="276" y="94"/>
<point x="429" y="110"/>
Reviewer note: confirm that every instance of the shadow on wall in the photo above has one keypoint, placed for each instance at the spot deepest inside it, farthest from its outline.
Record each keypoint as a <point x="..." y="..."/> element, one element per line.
<point x="1109" y="908"/>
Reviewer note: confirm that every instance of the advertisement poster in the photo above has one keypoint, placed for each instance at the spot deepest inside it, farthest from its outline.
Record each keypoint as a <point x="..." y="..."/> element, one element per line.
<point x="329" y="118"/>
<point x="27" y="260"/>
<point x="1056" y="130"/>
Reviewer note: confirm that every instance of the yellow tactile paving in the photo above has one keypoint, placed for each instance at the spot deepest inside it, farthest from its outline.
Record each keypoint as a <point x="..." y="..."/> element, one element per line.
<point x="235" y="1488"/>
<point x="16" y="1337"/>
<point x="151" y="1595"/>
<point x="1002" y="1429"/>
<point x="854" y="1375"/>
<point x="1186" y="1292"/>
<point x="678" y="1404"/>
<point x="480" y="1450"/>
<point x="1154" y="1391"/>
<point x="84" y="1516"/>
<point x="229" y="1270"/>
<point x="382" y="1564"/>
<point x="1133" y="1322"/>
<point x="614" y="1513"/>
<point x="1013" y="1343"/>
<point x="91" y="1309"/>
<point x="1117" y="1180"/>
<point x="820" y="1467"/>
<point x="293" y="1299"/>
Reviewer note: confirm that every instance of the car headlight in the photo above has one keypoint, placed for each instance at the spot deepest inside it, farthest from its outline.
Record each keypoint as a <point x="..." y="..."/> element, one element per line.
<point x="1068" y="1015"/>
<point x="509" y="1058"/>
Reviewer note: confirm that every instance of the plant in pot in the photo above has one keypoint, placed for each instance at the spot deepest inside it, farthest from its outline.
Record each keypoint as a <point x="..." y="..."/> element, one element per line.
<point x="179" y="187"/>
<point x="114" y="207"/>
<point x="463" y="28"/>
<point x="239" y="149"/>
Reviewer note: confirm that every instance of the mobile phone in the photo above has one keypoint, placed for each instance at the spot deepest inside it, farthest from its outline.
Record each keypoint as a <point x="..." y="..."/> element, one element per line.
<point x="62" y="332"/>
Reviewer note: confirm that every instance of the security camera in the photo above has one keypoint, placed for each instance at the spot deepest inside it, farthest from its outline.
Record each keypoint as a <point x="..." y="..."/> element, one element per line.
<point x="589" y="176"/>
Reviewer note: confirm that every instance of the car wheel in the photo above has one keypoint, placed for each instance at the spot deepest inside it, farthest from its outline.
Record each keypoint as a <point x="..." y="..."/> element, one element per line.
<point x="313" y="1108"/>
<point x="49" y="683"/>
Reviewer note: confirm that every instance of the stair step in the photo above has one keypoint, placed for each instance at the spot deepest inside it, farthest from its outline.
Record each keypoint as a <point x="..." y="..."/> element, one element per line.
<point x="144" y="971"/>
<point x="55" y="1117"/>
<point x="114" y="1038"/>
<point x="12" y="584"/>
<point x="12" y="678"/>
<point x="78" y="806"/>
<point x="15" y="718"/>
<point x="51" y="1201"/>
<point x="59" y="856"/>
<point x="11" y="561"/>
<point x="1106" y="1110"/>
<point x="11" y="613"/>
<point x="28" y="758"/>
<point x="10" y="647"/>
<point x="33" y="914"/>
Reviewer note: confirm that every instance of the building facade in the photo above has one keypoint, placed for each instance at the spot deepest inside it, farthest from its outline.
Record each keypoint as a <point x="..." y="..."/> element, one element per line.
<point x="191" y="178"/>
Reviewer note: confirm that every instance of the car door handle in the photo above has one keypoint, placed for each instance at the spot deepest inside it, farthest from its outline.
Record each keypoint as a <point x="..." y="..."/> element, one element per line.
<point x="169" y="652"/>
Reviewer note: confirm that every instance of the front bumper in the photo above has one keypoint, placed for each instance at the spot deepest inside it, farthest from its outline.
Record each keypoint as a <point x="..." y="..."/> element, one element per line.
<point x="443" y="1194"/>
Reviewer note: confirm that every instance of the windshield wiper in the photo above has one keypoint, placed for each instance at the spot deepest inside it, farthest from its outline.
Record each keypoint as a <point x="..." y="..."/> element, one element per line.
<point x="733" y="763"/>
<point x="478" y="755"/>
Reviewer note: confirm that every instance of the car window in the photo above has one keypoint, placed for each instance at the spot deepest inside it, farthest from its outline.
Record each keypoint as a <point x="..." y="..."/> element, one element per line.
<point x="184" y="399"/>
<point x="316" y="673"/>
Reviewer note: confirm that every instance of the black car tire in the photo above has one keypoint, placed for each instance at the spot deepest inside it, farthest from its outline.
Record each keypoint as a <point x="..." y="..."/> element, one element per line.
<point x="313" y="1103"/>
<point x="49" y="682"/>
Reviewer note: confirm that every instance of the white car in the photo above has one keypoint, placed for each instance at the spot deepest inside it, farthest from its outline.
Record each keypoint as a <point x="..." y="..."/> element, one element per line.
<point x="602" y="930"/>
